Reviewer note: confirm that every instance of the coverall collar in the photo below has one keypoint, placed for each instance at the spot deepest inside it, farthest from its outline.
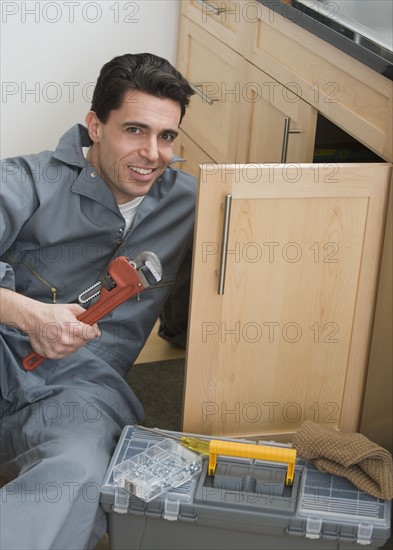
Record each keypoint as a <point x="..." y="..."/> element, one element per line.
<point x="69" y="149"/>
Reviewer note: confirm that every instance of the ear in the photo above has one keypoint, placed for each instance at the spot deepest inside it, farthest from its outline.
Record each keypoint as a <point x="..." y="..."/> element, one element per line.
<point x="93" y="124"/>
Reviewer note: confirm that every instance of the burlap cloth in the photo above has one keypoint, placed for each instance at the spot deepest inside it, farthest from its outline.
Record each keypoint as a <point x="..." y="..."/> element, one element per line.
<point x="349" y="455"/>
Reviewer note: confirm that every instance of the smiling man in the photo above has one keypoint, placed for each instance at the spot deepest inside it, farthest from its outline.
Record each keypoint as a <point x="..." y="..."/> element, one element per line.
<point x="107" y="190"/>
<point x="134" y="144"/>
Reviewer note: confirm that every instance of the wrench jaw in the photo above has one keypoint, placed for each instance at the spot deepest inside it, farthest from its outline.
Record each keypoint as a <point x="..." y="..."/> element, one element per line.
<point x="148" y="267"/>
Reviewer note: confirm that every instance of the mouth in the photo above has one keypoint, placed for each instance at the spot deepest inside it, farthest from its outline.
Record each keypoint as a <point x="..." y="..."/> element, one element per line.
<point x="141" y="171"/>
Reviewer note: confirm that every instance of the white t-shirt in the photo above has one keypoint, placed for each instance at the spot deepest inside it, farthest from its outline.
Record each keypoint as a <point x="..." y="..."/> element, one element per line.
<point x="128" y="209"/>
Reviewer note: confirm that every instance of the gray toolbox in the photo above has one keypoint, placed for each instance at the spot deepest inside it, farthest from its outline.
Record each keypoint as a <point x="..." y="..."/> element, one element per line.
<point x="245" y="505"/>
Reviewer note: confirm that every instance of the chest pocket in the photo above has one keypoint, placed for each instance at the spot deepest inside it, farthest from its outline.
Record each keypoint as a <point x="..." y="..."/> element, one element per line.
<point x="37" y="279"/>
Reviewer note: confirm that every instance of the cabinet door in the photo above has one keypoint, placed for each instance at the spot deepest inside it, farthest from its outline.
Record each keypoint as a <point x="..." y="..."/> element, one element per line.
<point x="213" y="69"/>
<point x="288" y="338"/>
<point x="276" y="125"/>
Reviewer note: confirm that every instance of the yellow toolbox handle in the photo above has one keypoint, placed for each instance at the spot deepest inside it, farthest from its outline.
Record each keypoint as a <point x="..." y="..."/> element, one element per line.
<point x="247" y="450"/>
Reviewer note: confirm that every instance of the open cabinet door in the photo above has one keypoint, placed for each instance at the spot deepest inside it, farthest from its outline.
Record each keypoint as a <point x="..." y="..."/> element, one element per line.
<point x="286" y="336"/>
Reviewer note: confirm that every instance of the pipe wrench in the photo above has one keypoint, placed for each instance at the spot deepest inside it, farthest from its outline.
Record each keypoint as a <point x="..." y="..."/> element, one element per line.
<point x="124" y="278"/>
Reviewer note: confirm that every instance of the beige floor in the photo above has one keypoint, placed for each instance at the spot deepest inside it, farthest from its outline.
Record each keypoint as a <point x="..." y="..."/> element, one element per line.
<point x="103" y="544"/>
<point x="156" y="349"/>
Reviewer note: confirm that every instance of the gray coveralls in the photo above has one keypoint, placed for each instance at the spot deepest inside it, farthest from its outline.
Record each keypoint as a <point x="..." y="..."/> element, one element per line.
<point x="60" y="228"/>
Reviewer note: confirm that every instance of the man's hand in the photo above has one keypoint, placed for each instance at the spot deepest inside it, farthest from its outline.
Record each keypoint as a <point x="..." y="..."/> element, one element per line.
<point x="53" y="329"/>
<point x="55" y="332"/>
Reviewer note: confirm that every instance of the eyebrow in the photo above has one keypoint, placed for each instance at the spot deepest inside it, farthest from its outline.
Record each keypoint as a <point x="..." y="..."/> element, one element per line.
<point x="147" y="127"/>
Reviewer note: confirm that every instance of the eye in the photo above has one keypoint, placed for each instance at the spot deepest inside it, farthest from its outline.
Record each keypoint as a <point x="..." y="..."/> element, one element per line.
<point x="133" y="130"/>
<point x="168" y="136"/>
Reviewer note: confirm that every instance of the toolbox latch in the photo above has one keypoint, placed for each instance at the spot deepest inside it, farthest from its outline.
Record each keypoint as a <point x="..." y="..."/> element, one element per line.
<point x="313" y="528"/>
<point x="171" y="509"/>
<point x="365" y="533"/>
<point x="122" y="500"/>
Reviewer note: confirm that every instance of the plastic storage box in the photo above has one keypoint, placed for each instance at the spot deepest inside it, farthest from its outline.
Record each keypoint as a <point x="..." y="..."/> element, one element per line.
<point x="245" y="505"/>
<point x="156" y="470"/>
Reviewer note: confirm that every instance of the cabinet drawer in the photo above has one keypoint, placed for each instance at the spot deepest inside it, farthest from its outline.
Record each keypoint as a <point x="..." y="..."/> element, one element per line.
<point x="226" y="20"/>
<point x="351" y="95"/>
<point x="213" y="69"/>
<point x="187" y="149"/>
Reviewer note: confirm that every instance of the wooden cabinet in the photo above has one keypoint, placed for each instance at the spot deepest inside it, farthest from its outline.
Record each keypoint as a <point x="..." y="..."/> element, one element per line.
<point x="287" y="338"/>
<point x="224" y="20"/>
<point x="250" y="65"/>
<point x="239" y="113"/>
<point x="212" y="68"/>
<point x="276" y="125"/>
<point x="258" y="74"/>
<point x="348" y="93"/>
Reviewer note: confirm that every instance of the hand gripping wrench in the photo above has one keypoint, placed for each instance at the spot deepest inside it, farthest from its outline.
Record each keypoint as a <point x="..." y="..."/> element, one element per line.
<point x="124" y="279"/>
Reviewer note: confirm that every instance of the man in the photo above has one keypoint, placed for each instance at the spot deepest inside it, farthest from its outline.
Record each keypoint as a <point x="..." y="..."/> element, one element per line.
<point x="106" y="191"/>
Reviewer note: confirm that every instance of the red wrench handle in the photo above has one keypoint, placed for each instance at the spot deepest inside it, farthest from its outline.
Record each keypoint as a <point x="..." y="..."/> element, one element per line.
<point x="128" y="283"/>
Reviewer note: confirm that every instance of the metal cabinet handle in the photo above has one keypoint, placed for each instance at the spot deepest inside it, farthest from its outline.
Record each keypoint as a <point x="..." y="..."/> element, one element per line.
<point x="205" y="98"/>
<point x="224" y="243"/>
<point x="213" y="9"/>
<point x="287" y="131"/>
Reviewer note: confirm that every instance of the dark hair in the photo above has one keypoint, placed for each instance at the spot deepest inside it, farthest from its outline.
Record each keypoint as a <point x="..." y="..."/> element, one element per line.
<point x="144" y="72"/>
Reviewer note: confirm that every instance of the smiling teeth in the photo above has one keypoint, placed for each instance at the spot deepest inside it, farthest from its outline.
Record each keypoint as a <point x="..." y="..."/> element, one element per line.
<point x="141" y="170"/>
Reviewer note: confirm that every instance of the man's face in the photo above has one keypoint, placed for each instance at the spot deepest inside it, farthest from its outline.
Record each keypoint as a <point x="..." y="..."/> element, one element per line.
<point x="133" y="148"/>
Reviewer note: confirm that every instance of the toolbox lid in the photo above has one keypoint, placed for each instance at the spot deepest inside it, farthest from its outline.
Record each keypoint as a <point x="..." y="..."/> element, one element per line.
<point x="251" y="495"/>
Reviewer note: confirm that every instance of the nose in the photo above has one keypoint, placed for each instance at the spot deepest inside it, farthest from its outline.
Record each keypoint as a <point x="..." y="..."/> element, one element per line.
<point x="149" y="149"/>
